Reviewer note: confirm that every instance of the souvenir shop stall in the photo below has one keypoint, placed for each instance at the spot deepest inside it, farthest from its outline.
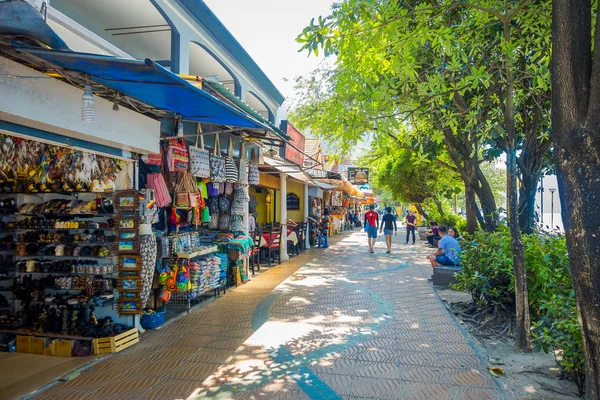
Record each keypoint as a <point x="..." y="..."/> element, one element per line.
<point x="203" y="200"/>
<point x="339" y="200"/>
<point x="315" y="213"/>
<point x="63" y="289"/>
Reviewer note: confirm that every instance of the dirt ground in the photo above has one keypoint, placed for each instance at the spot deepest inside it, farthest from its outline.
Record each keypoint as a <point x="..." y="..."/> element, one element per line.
<point x="532" y="375"/>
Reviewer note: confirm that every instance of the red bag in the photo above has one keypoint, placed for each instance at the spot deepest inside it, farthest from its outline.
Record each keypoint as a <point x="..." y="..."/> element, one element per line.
<point x="177" y="156"/>
<point x="161" y="192"/>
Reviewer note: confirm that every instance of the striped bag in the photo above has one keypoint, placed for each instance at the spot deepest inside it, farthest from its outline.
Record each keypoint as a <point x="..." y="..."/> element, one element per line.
<point x="161" y="192"/>
<point x="231" y="170"/>
<point x="199" y="158"/>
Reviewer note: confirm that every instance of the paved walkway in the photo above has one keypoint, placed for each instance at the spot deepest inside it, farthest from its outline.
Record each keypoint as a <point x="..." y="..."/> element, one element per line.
<point x="331" y="324"/>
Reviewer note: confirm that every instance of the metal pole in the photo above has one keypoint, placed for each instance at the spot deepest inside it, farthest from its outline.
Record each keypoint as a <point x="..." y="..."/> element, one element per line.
<point x="542" y="197"/>
<point x="552" y="208"/>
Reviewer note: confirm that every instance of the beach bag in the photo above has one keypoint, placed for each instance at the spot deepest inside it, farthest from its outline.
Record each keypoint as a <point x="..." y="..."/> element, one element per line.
<point x="177" y="156"/>
<point x="237" y="223"/>
<point x="238" y="205"/>
<point x="243" y="167"/>
<point x="213" y="205"/>
<point x="185" y="190"/>
<point x="205" y="215"/>
<point x="253" y="175"/>
<point x="224" y="221"/>
<point x="232" y="173"/>
<point x="161" y="192"/>
<point x="217" y="163"/>
<point x="199" y="158"/>
<point x="213" y="189"/>
<point x="224" y="204"/>
<point x="214" y="221"/>
<point x="152" y="159"/>
<point x="228" y="189"/>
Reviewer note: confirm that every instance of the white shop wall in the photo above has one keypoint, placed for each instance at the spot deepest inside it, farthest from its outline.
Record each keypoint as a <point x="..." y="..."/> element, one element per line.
<point x="38" y="101"/>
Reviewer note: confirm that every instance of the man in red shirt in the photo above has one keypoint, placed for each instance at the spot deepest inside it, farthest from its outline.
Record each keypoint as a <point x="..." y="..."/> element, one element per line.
<point x="371" y="224"/>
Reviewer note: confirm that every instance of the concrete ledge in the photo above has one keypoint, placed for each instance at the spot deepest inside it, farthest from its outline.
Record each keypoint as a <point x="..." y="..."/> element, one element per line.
<point x="444" y="276"/>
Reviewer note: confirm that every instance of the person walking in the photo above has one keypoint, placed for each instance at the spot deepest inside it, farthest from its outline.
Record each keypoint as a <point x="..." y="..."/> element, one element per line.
<point x="411" y="225"/>
<point x="371" y="223"/>
<point x="388" y="225"/>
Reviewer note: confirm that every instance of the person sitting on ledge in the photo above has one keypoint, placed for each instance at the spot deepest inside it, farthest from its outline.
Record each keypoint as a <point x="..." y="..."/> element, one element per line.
<point x="433" y="233"/>
<point x="447" y="252"/>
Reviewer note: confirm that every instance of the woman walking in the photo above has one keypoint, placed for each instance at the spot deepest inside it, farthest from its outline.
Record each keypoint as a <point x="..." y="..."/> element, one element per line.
<point x="388" y="225"/>
<point x="411" y="225"/>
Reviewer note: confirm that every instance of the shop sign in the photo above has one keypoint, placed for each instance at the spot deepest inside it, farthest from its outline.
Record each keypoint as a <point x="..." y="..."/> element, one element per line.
<point x="293" y="201"/>
<point x="358" y="176"/>
<point x="298" y="140"/>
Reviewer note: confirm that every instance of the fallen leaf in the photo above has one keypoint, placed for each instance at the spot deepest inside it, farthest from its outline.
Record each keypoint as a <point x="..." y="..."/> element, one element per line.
<point x="496" y="371"/>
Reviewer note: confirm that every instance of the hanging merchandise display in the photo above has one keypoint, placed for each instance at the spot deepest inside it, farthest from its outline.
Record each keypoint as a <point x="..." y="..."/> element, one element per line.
<point x="157" y="183"/>
<point x="253" y="174"/>
<point x="232" y="174"/>
<point x="199" y="158"/>
<point x="217" y="163"/>
<point x="27" y="166"/>
<point x="243" y="167"/>
<point x="127" y="245"/>
<point x="177" y="155"/>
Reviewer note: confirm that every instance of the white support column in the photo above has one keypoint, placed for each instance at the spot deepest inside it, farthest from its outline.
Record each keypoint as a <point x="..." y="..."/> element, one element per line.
<point x="306" y="208"/>
<point x="283" y="206"/>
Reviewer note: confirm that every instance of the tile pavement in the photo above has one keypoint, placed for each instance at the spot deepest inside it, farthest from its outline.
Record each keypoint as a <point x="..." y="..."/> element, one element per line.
<point x="330" y="324"/>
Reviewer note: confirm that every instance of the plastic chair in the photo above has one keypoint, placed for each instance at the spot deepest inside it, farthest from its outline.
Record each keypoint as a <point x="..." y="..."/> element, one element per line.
<point x="323" y="241"/>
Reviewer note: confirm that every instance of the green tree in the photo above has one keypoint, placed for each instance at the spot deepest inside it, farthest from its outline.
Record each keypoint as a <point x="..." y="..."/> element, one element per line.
<point x="412" y="181"/>
<point x="453" y="70"/>
<point x="576" y="137"/>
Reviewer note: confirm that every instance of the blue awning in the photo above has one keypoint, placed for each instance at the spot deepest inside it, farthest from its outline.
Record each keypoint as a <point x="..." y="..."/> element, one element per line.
<point x="151" y="84"/>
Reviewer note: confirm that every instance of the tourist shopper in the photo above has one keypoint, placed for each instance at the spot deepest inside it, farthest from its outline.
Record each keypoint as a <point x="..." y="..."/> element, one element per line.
<point x="371" y="223"/>
<point x="411" y="225"/>
<point x="388" y="226"/>
<point x="448" y="250"/>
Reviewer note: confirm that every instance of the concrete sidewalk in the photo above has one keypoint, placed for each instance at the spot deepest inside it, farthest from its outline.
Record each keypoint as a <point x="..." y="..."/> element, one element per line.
<point x="334" y="323"/>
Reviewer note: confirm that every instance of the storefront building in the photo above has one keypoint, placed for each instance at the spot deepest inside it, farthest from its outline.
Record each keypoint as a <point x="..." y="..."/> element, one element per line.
<point x="116" y="194"/>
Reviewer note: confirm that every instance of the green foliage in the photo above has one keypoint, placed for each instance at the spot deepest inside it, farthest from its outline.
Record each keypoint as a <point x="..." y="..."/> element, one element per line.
<point x="558" y="330"/>
<point x="488" y="275"/>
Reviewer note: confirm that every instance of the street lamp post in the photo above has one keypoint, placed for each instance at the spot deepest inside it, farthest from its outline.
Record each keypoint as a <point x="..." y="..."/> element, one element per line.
<point x="552" y="207"/>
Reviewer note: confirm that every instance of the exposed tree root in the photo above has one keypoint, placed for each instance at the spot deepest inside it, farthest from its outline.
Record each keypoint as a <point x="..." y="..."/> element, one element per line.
<point x="493" y="321"/>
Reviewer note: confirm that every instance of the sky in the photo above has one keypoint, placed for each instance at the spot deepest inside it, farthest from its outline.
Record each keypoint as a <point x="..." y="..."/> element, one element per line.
<point x="267" y="29"/>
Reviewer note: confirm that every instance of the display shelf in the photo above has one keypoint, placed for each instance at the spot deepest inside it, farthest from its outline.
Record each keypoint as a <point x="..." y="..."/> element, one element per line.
<point x="208" y="250"/>
<point x="64" y="229"/>
<point x="64" y="273"/>
<point x="62" y="257"/>
<point x="60" y="215"/>
<point x="29" y="332"/>
<point x="105" y="244"/>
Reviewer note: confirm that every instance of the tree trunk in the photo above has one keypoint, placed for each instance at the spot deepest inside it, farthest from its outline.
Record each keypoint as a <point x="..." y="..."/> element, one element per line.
<point x="439" y="206"/>
<point x="527" y="193"/>
<point x="516" y="243"/>
<point x="471" y="206"/>
<point x="421" y="211"/>
<point x="576" y="136"/>
<point x="523" y="320"/>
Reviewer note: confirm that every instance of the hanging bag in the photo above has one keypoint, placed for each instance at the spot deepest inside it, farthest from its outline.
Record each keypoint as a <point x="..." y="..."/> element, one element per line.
<point x="232" y="174"/>
<point x="224" y="222"/>
<point x="243" y="172"/>
<point x="217" y="163"/>
<point x="152" y="159"/>
<point x="161" y="192"/>
<point x="199" y="157"/>
<point x="237" y="223"/>
<point x="253" y="175"/>
<point x="177" y="155"/>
